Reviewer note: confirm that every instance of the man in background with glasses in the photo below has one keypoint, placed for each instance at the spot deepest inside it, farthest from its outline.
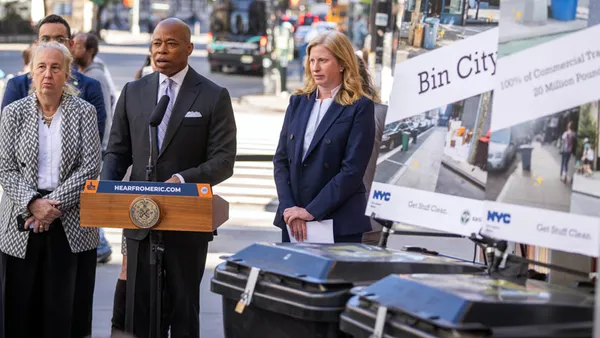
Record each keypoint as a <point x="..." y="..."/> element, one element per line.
<point x="55" y="28"/>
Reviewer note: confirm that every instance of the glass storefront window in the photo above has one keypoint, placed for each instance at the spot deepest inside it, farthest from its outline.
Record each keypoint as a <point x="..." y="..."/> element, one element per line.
<point x="454" y="7"/>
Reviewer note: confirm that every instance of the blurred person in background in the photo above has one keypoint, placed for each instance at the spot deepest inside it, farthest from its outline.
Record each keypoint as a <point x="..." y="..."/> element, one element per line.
<point x="26" y="54"/>
<point x="359" y="32"/>
<point x="85" y="49"/>
<point x="567" y="145"/>
<point x="147" y="68"/>
<point x="111" y="83"/>
<point x="49" y="147"/>
<point x="325" y="145"/>
<point x="56" y="28"/>
<point x="372" y="237"/>
<point x="587" y="157"/>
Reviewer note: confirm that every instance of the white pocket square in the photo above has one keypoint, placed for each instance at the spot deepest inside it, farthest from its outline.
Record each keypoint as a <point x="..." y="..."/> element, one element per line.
<point x="193" y="114"/>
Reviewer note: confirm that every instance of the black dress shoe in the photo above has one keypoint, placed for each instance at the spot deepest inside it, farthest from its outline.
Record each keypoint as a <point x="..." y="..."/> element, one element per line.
<point x="104" y="258"/>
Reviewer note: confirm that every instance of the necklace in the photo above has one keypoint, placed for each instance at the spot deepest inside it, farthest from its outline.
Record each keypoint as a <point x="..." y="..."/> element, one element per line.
<point x="47" y="119"/>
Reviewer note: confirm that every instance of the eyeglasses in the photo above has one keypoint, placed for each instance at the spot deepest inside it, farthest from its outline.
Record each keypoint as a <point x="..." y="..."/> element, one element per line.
<point x="59" y="39"/>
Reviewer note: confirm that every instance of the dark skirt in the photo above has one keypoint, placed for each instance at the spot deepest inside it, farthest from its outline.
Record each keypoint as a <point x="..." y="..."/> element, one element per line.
<point x="49" y="293"/>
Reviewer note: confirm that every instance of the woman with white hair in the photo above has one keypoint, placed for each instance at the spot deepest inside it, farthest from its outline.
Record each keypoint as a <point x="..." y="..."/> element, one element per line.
<point x="49" y="147"/>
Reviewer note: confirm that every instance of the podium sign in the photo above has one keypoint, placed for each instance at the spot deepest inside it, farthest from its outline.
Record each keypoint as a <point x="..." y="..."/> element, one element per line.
<point x="152" y="205"/>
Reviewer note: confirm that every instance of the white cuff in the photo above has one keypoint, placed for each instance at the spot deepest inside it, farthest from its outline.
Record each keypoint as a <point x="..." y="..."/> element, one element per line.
<point x="180" y="178"/>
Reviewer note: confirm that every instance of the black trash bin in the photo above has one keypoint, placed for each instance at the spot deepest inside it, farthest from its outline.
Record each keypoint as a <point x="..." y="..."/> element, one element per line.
<point x="302" y="289"/>
<point x="467" y="306"/>
<point x="526" y="156"/>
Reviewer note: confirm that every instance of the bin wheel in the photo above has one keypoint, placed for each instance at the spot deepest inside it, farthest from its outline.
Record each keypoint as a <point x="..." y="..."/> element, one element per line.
<point x="392" y="145"/>
<point x="215" y="69"/>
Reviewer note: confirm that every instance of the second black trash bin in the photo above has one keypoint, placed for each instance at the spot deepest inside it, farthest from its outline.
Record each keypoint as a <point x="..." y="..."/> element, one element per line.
<point x="300" y="290"/>
<point x="467" y="306"/>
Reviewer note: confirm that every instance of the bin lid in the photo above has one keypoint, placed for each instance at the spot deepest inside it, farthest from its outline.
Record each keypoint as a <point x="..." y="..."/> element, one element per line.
<point x="343" y="263"/>
<point x="463" y="302"/>
<point x="432" y="20"/>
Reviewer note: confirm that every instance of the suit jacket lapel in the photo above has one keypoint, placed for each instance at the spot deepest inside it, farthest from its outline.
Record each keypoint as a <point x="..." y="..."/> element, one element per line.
<point x="187" y="95"/>
<point x="30" y="132"/>
<point x="307" y="104"/>
<point x="330" y="116"/>
<point x="148" y="94"/>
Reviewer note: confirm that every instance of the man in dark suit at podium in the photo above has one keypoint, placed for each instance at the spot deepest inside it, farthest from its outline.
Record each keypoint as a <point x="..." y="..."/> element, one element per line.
<point x="196" y="144"/>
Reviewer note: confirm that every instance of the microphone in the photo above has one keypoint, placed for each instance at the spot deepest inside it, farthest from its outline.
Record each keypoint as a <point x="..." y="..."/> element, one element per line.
<point x="155" y="119"/>
<point x="159" y="111"/>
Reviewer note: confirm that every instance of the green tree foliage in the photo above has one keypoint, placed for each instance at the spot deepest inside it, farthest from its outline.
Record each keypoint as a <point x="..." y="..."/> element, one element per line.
<point x="588" y="127"/>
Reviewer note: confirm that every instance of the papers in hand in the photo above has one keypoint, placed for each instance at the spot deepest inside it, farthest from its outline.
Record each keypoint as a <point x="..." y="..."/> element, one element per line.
<point x="316" y="232"/>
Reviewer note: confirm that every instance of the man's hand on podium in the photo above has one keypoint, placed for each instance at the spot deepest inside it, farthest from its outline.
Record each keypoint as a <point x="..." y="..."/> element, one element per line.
<point x="173" y="179"/>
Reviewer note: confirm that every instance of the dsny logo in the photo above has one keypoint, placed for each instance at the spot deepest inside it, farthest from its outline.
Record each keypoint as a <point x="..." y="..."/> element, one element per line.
<point x="496" y="216"/>
<point x="382" y="195"/>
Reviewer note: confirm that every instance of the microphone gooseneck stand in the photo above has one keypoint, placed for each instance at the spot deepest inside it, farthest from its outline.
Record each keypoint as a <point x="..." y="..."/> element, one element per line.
<point x="156" y="241"/>
<point x="156" y="254"/>
<point x="497" y="256"/>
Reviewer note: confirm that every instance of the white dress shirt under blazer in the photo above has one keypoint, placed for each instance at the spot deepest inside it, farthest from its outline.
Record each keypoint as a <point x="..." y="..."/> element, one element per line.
<point x="316" y="115"/>
<point x="175" y="87"/>
<point x="49" y="152"/>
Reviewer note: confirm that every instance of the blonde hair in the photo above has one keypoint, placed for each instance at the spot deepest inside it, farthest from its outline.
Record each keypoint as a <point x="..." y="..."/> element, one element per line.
<point x="367" y="82"/>
<point x="68" y="88"/>
<point x="339" y="45"/>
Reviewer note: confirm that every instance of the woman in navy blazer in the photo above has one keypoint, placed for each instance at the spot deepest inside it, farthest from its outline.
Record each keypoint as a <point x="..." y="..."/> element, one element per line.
<point x="325" y="145"/>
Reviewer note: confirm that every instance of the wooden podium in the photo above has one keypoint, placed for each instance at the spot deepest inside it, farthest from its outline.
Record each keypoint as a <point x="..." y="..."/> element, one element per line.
<point x="152" y="205"/>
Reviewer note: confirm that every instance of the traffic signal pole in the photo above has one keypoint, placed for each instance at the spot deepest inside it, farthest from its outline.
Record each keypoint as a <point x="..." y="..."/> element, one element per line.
<point x="380" y="56"/>
<point x="135" y="17"/>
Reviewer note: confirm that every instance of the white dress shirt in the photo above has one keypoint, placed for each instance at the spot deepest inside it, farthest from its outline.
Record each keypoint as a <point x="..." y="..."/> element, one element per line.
<point x="175" y="87"/>
<point x="49" y="152"/>
<point x="316" y="115"/>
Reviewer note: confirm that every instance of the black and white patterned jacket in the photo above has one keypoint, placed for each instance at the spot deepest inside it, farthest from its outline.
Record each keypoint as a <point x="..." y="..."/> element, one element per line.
<point x="80" y="161"/>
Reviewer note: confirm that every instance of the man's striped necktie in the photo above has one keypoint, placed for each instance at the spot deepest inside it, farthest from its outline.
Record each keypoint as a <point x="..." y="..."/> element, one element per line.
<point x="162" y="127"/>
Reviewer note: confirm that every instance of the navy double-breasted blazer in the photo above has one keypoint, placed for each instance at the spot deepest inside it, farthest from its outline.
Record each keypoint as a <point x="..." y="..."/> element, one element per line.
<point x="328" y="183"/>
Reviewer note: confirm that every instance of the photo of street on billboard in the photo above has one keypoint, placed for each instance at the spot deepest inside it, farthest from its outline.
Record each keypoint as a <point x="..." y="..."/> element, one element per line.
<point x="545" y="115"/>
<point x="431" y="156"/>
<point x="441" y="23"/>
<point x="585" y="197"/>
<point x="446" y="149"/>
<point x="464" y="159"/>
<point x="525" y="24"/>
<point x="533" y="163"/>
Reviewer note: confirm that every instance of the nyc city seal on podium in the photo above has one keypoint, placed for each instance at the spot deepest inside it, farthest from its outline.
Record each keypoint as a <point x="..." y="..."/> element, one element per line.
<point x="144" y="212"/>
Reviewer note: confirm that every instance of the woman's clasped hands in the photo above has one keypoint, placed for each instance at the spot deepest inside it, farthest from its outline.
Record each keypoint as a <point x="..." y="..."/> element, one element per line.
<point x="296" y="218"/>
<point x="44" y="212"/>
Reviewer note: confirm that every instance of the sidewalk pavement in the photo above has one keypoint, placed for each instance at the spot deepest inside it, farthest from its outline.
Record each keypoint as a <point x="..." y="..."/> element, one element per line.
<point x="513" y="29"/>
<point x="542" y="187"/>
<point x="265" y="103"/>
<point x="485" y="15"/>
<point x="587" y="185"/>
<point x="269" y="103"/>
<point x="469" y="172"/>
<point x="421" y="170"/>
<point x="456" y="159"/>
